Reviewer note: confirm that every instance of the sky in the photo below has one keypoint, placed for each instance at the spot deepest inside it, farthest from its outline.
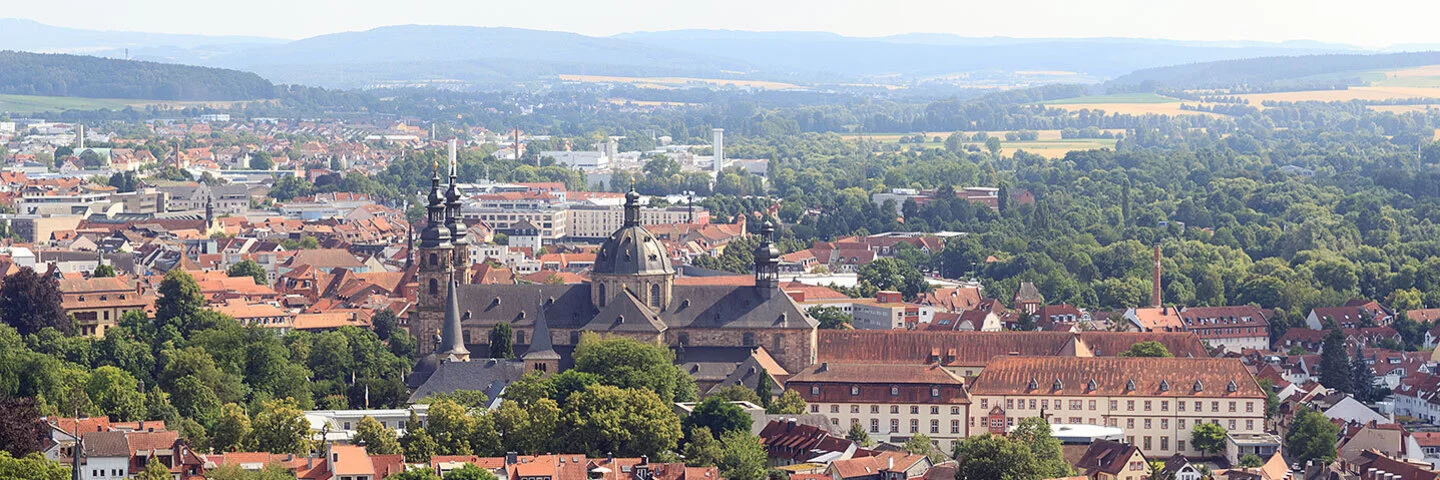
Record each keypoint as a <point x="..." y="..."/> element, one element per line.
<point x="1375" y="23"/>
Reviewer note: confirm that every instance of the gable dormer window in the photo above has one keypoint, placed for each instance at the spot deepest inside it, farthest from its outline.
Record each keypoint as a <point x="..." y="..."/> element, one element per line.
<point x="1130" y="385"/>
<point x="1199" y="386"/>
<point x="1058" y="385"/>
<point x="894" y="390"/>
<point x="1033" y="385"/>
<point x="934" y="391"/>
<point x="854" y="389"/>
<point x="1232" y="387"/>
<point x="814" y="389"/>
<point x="1090" y="386"/>
<point x="1164" y="385"/>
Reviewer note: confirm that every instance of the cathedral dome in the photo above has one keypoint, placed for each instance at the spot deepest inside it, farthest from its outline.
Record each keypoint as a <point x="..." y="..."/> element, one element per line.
<point x="632" y="250"/>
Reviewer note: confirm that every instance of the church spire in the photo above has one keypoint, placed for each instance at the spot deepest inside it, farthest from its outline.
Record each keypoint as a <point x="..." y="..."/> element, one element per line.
<point x="541" y="356"/>
<point x="452" y="338"/>
<point x="452" y="201"/>
<point x="767" y="262"/>
<point x="436" y="233"/>
<point x="632" y="207"/>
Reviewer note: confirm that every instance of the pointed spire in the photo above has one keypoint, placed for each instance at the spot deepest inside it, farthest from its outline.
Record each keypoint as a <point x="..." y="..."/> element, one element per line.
<point x="541" y="347"/>
<point x="452" y="201"/>
<point x="452" y="337"/>
<point x="632" y="207"/>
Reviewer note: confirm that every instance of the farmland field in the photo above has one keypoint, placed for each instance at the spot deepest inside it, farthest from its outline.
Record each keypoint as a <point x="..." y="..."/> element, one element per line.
<point x="1125" y="103"/>
<point x="28" y="104"/>
<point x="673" y="82"/>
<point x="1048" y="144"/>
<point x="1113" y="98"/>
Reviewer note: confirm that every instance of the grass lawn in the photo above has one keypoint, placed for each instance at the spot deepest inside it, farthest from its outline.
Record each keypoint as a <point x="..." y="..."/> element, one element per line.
<point x="1113" y="98"/>
<point x="28" y="104"/>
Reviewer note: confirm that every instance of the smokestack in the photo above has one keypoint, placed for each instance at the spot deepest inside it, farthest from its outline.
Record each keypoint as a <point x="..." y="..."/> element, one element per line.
<point x="1155" y="290"/>
<point x="452" y="156"/>
<point x="79" y="137"/>
<point x="719" y="146"/>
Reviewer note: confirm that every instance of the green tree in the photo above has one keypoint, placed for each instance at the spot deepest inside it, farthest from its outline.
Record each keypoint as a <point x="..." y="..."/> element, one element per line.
<point x="1034" y="433"/>
<point x="701" y="448"/>
<point x="378" y="439"/>
<point x="830" y="317"/>
<point x="20" y="428"/>
<point x="1149" y="348"/>
<point x="921" y="444"/>
<point x="419" y="445"/>
<point x="742" y="456"/>
<point x="1208" y="437"/>
<point x="1251" y="460"/>
<point x="992" y="457"/>
<point x="501" y="342"/>
<point x="763" y="389"/>
<point x="1335" y="363"/>
<point x="789" y="403"/>
<point x="154" y="470"/>
<point x="30" y="302"/>
<point x="1362" y="379"/>
<point x="103" y="271"/>
<point x="232" y="432"/>
<point x="628" y="422"/>
<point x="628" y="363"/>
<point x="33" y="466"/>
<point x="280" y="427"/>
<point x="1272" y="400"/>
<point x="249" y="268"/>
<point x="179" y="299"/>
<point x="735" y="393"/>
<point x="894" y="274"/>
<point x="116" y="393"/>
<point x="858" y="435"/>
<point x="261" y="160"/>
<point x="993" y="145"/>
<point x="718" y="415"/>
<point x="1312" y="438"/>
<point x="470" y="472"/>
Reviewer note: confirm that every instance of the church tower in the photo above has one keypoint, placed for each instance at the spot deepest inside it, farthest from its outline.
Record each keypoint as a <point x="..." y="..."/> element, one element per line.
<point x="433" y="276"/>
<point x="767" y="263"/>
<point x="541" y="356"/>
<point x="455" y="224"/>
<point x="452" y="336"/>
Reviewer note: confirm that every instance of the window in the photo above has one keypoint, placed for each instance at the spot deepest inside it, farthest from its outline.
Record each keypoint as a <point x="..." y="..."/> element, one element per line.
<point x="1164" y="405"/>
<point x="1130" y="405"/>
<point x="1180" y="406"/>
<point x="954" y="410"/>
<point x="934" y="426"/>
<point x="603" y="298"/>
<point x="1231" y="425"/>
<point x="1232" y="407"/>
<point x="934" y="391"/>
<point x="874" y="425"/>
<point x="814" y="389"/>
<point x="1249" y="424"/>
<point x="1114" y="422"/>
<point x="914" y="409"/>
<point x="347" y="426"/>
<point x="1199" y="407"/>
<point x="1180" y="445"/>
<point x="1092" y="405"/>
<point x="854" y="389"/>
<point x="1130" y="439"/>
<point x="874" y="409"/>
<point x="894" y="409"/>
<point x="1075" y="420"/>
<point x="914" y="426"/>
<point x="434" y="286"/>
<point x="955" y="426"/>
<point x="894" y="390"/>
<point x="834" y="409"/>
<point x="655" y="295"/>
<point x="814" y="408"/>
<point x="1009" y="404"/>
<point x="1114" y="405"/>
<point x="894" y="425"/>
<point x="1147" y="405"/>
<point x="1077" y="404"/>
<point x="1164" y="443"/>
<point x="1215" y="406"/>
<point x="1164" y="424"/>
<point x="854" y="409"/>
<point x="684" y="338"/>
<point x="1032" y="404"/>
<point x="1147" y="442"/>
<point x="1181" y="423"/>
<point x="1147" y="424"/>
<point x="1130" y="423"/>
<point x="984" y="404"/>
<point x="934" y="410"/>
<point x="1045" y="404"/>
<point x="1249" y="407"/>
<point x="747" y="339"/>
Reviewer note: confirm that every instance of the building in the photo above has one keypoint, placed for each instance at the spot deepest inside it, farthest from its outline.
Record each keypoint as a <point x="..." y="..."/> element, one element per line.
<point x="1233" y="328"/>
<point x="893" y="402"/>
<point x="1111" y="460"/>
<point x="1260" y="444"/>
<point x="889" y="311"/>
<point x="789" y="442"/>
<point x="967" y="353"/>
<point x="883" y="466"/>
<point x="503" y="210"/>
<point x="1156" y="401"/>
<point x="632" y="293"/>
<point x="599" y="221"/>
<point x="98" y="303"/>
<point x="1354" y="314"/>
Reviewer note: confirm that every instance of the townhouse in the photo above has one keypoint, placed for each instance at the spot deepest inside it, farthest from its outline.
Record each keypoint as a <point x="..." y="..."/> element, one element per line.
<point x="893" y="402"/>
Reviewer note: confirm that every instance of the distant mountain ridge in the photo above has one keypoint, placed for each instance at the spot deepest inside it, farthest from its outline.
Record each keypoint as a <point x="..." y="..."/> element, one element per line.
<point x="491" y="56"/>
<point x="63" y="75"/>
<point x="1332" y="70"/>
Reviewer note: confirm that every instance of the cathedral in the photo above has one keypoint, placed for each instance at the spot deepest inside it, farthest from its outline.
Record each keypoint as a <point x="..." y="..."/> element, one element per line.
<point x="632" y="293"/>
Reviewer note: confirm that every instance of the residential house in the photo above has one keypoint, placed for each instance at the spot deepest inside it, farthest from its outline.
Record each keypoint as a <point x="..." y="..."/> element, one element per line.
<point x="1111" y="460"/>
<point x="891" y="402"/>
<point x="882" y="466"/>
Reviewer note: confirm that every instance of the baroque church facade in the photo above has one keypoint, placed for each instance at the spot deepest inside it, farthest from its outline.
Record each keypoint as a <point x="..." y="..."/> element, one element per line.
<point x="632" y="293"/>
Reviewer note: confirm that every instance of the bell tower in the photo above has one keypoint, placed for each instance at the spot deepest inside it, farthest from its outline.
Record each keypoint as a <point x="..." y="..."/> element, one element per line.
<point x="435" y="265"/>
<point x="767" y="263"/>
<point x="456" y="225"/>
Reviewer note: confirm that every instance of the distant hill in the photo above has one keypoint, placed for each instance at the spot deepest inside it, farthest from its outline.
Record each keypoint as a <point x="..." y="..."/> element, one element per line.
<point x="32" y="36"/>
<point x="1309" y="70"/>
<point x="85" y="76"/>
<point x="938" y="54"/>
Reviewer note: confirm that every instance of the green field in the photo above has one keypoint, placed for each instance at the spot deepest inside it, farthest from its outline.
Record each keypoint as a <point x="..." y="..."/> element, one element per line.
<point x="28" y="104"/>
<point x="1113" y="98"/>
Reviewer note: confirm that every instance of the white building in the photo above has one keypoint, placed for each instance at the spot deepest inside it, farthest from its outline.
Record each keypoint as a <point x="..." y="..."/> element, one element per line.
<point x="341" y="424"/>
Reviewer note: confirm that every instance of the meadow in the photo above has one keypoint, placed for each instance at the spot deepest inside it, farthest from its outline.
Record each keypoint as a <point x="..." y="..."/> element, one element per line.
<point x="30" y="104"/>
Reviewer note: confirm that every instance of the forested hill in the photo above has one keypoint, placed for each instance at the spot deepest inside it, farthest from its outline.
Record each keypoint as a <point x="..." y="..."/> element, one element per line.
<point x="1310" y="70"/>
<point x="84" y="76"/>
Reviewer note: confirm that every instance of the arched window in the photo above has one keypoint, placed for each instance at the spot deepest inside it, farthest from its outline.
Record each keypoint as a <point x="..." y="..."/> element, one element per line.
<point x="434" y="259"/>
<point x="434" y="286"/>
<point x="603" y="298"/>
<point x="655" y="295"/>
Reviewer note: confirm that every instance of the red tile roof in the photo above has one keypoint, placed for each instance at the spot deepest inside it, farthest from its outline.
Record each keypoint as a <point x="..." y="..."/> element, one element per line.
<point x="1118" y="376"/>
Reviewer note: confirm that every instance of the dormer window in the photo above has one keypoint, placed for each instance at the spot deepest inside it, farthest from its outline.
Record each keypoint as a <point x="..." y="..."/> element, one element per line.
<point x="1058" y="385"/>
<point x="894" y="390"/>
<point x="814" y="389"/>
<point x="1199" y="386"/>
<point x="1090" y="385"/>
<point x="935" y="391"/>
<point x="854" y="389"/>
<point x="1130" y="385"/>
<point x="1232" y="387"/>
<point x="1164" y="385"/>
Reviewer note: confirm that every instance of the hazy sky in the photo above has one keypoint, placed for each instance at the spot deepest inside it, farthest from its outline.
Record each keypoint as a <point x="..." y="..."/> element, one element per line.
<point x="1367" y="23"/>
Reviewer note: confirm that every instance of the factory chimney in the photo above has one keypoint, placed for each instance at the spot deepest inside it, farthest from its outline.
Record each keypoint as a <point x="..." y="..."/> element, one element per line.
<point x="719" y="146"/>
<point x="1155" y="289"/>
